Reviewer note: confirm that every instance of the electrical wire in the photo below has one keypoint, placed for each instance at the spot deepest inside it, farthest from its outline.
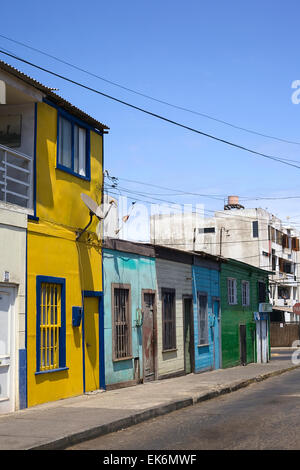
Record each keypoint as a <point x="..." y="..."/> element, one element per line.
<point x="155" y="115"/>
<point x="181" y="108"/>
<point x="175" y="205"/>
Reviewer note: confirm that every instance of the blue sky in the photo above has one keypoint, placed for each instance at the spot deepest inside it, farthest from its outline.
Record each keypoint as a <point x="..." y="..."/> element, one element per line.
<point x="233" y="60"/>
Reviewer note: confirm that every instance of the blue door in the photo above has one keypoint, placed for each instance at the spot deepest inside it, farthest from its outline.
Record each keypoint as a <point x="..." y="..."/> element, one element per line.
<point x="216" y="332"/>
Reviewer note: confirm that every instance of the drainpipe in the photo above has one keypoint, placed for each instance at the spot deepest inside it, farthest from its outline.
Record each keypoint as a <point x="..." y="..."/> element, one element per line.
<point x="194" y="238"/>
<point x="221" y="231"/>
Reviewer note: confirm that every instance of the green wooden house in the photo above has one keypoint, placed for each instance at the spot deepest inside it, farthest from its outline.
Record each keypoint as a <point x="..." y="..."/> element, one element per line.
<point x="243" y="288"/>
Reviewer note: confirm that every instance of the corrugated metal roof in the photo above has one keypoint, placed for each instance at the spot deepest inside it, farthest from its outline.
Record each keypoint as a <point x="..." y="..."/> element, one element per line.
<point x="58" y="100"/>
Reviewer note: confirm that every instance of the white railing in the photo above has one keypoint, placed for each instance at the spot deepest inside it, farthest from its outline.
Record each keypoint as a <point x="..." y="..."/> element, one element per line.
<point x="15" y="177"/>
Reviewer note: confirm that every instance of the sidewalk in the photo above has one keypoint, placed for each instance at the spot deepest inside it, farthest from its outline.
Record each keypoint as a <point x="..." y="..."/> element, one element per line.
<point x="63" y="423"/>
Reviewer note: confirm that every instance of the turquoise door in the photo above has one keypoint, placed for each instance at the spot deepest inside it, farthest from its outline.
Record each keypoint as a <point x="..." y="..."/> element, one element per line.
<point x="216" y="332"/>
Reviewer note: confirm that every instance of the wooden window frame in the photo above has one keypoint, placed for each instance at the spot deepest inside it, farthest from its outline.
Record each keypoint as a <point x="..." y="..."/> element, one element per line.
<point x="235" y="301"/>
<point x="115" y="287"/>
<point x="74" y="122"/>
<point x="61" y="324"/>
<point x="173" y="346"/>
<point x="247" y="302"/>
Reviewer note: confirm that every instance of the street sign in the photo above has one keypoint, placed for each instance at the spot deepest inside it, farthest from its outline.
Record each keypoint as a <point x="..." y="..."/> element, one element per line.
<point x="296" y="309"/>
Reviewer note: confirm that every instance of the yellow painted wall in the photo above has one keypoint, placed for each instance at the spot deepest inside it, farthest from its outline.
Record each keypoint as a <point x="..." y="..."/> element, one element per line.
<point x="53" y="251"/>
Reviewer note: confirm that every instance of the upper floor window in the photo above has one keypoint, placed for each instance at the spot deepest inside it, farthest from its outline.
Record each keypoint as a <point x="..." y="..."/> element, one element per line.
<point x="245" y="293"/>
<point x="231" y="291"/>
<point x="73" y="147"/>
<point x="255" y="229"/>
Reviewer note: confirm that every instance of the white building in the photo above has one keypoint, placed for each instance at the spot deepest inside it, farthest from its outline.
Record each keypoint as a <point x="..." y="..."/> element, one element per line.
<point x="17" y="144"/>
<point x="254" y="236"/>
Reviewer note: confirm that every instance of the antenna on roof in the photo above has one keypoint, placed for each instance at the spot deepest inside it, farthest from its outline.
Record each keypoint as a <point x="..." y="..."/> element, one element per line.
<point x="100" y="212"/>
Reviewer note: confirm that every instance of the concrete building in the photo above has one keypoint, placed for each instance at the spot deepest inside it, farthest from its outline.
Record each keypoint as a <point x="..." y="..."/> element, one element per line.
<point x="254" y="236"/>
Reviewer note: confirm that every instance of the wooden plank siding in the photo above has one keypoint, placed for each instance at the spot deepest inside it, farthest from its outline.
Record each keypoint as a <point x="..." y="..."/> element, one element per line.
<point x="178" y="276"/>
<point x="235" y="315"/>
<point x="136" y="272"/>
<point x="205" y="281"/>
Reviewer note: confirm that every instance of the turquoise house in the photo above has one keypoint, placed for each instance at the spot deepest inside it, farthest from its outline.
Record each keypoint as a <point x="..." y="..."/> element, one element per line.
<point x="207" y="312"/>
<point x="129" y="313"/>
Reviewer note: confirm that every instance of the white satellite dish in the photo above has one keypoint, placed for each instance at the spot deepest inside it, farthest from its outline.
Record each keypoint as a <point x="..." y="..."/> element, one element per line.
<point x="100" y="212"/>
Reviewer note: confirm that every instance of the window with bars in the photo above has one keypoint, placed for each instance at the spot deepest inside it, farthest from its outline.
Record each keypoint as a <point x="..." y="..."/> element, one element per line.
<point x="245" y="293"/>
<point x="231" y="291"/>
<point x="168" y="319"/>
<point x="50" y="324"/>
<point x="121" y="323"/>
<point x="202" y="319"/>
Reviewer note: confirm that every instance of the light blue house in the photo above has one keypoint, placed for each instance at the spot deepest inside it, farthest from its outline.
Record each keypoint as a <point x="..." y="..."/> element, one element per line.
<point x="129" y="312"/>
<point x="207" y="314"/>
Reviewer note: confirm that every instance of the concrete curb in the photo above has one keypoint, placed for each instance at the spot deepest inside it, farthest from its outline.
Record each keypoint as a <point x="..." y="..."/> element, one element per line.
<point x="139" y="417"/>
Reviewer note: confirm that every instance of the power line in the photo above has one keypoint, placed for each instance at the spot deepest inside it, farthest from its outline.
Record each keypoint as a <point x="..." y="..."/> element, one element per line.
<point x="158" y="116"/>
<point x="214" y="196"/>
<point x="157" y="100"/>
<point x="173" y="205"/>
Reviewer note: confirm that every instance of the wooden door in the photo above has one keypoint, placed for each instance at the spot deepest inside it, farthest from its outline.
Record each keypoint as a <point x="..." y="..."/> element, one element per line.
<point x="6" y="350"/>
<point x="148" y="336"/>
<point x="91" y="344"/>
<point x="188" y="337"/>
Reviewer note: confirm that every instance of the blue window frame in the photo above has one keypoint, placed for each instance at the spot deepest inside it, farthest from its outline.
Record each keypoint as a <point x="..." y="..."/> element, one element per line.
<point x="73" y="145"/>
<point x="50" y="324"/>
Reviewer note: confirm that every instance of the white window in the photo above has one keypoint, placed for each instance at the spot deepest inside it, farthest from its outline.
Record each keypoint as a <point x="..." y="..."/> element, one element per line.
<point x="231" y="290"/>
<point x="245" y="293"/>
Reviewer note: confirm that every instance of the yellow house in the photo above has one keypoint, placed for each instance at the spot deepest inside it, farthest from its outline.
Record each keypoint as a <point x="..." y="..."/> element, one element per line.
<point x="63" y="354"/>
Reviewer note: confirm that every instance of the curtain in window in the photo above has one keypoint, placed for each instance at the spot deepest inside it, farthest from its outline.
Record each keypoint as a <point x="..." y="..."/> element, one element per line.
<point x="65" y="143"/>
<point x="79" y="150"/>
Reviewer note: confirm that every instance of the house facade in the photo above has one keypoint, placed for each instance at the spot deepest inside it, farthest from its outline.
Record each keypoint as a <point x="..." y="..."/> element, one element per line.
<point x="174" y="311"/>
<point x="13" y="224"/>
<point x="130" y="300"/>
<point x="52" y="153"/>
<point x="207" y="312"/>
<point x="245" y="327"/>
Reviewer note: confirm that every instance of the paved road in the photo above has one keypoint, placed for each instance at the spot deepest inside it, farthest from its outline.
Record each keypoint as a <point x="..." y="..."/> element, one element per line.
<point x="265" y="415"/>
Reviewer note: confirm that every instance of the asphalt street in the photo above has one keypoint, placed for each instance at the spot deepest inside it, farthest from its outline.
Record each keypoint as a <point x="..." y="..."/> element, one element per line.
<point x="265" y="415"/>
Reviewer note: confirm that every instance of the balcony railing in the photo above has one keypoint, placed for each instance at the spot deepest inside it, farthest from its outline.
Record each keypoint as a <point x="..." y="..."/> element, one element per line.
<point x="15" y="177"/>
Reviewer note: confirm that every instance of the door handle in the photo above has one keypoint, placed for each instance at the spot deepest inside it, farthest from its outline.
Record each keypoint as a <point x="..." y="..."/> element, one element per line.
<point x="88" y="345"/>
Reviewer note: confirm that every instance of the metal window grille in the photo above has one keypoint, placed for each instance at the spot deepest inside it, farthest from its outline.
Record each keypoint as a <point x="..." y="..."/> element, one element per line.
<point x="122" y="347"/>
<point x="202" y="319"/>
<point x="50" y="324"/>
<point x="15" y="177"/>
<point x="169" y="321"/>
